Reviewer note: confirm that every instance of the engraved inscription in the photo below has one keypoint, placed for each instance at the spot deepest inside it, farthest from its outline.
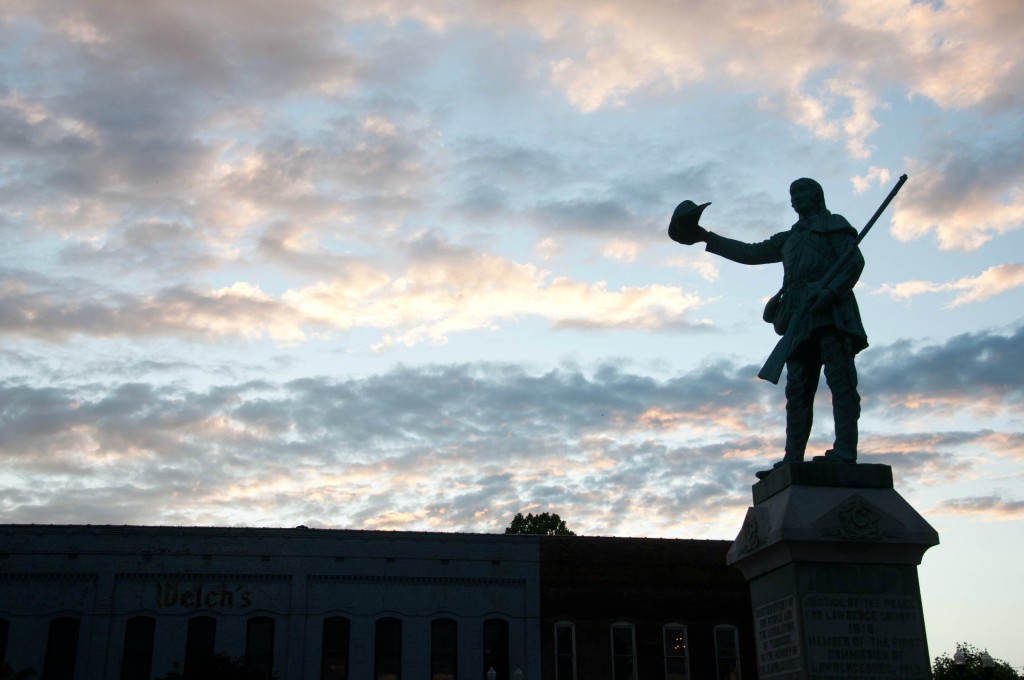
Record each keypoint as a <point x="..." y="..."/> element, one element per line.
<point x="857" y="637"/>
<point x="778" y="640"/>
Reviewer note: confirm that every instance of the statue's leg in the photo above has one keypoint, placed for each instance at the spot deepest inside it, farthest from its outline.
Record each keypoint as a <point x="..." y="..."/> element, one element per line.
<point x="803" y="370"/>
<point x="841" y="376"/>
<point x="802" y="375"/>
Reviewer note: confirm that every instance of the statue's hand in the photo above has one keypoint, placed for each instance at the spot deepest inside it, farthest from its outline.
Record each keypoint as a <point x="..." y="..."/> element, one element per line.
<point x="685" y="224"/>
<point x="821" y="300"/>
<point x="689" y="235"/>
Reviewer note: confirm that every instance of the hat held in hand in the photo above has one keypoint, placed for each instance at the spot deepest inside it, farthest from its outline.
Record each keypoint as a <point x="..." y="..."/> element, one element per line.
<point x="684" y="227"/>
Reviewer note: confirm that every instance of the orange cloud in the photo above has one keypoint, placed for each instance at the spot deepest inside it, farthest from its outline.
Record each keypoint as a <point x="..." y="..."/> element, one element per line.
<point x="991" y="282"/>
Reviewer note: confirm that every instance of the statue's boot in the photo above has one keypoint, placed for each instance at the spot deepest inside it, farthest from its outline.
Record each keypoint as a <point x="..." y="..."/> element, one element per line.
<point x="836" y="456"/>
<point x="763" y="474"/>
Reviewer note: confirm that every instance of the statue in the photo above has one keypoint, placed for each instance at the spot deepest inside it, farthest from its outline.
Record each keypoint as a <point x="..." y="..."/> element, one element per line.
<point x="815" y="311"/>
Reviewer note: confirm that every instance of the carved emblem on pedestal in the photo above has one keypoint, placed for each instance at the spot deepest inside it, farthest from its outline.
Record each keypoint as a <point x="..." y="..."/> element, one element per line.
<point x="858" y="521"/>
<point x="753" y="533"/>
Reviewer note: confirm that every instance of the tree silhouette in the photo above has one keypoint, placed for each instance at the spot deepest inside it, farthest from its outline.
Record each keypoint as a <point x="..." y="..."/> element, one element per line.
<point x="945" y="669"/>
<point x="544" y="524"/>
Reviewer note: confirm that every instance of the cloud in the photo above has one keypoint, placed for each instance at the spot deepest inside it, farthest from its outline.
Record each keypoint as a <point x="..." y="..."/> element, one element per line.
<point x="374" y="152"/>
<point x="991" y="282"/>
<point x="220" y="45"/>
<point x="955" y="53"/>
<point x="56" y="310"/>
<point x="245" y="177"/>
<point x="967" y="190"/>
<point x="28" y="124"/>
<point x="613" y="449"/>
<point x="601" y="54"/>
<point x="152" y="247"/>
<point x="423" y="448"/>
<point x="227" y="177"/>
<point x="978" y="373"/>
<point x="874" y="174"/>
<point x="993" y="506"/>
<point x="621" y="249"/>
<point x="817" y="113"/>
<point x="156" y="116"/>
<point x="705" y="267"/>
<point x="426" y="447"/>
<point x="438" y="296"/>
<point x="587" y="215"/>
<point x="442" y="291"/>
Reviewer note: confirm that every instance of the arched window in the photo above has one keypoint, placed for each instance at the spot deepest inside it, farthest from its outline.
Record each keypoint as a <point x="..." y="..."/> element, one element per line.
<point x="61" y="649"/>
<point x="565" y="651"/>
<point x="137" y="657"/>
<point x="623" y="651"/>
<point x="5" y="630"/>
<point x="334" y="649"/>
<point x="387" y="650"/>
<point x="496" y="648"/>
<point x="444" y="649"/>
<point x="677" y="653"/>
<point x="727" y="652"/>
<point x="259" y="646"/>
<point x="199" y="644"/>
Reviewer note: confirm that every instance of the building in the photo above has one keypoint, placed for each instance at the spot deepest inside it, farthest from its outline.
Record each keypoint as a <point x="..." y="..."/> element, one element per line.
<point x="131" y="603"/>
<point x="670" y="609"/>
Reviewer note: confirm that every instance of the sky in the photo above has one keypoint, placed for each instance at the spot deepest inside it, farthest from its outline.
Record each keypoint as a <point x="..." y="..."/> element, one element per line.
<point x="400" y="265"/>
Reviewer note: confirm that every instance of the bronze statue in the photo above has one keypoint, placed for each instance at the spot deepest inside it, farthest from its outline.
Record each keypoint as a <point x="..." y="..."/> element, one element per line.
<point x="815" y="310"/>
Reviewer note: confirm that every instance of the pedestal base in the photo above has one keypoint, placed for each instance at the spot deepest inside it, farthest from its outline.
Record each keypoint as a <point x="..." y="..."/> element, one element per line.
<point x="831" y="554"/>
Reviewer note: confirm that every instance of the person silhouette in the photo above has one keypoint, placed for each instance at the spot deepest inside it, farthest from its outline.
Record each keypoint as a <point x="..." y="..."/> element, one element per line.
<point x="829" y="335"/>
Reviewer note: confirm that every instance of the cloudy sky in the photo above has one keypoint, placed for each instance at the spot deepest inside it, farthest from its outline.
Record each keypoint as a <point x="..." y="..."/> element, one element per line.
<point x="402" y="265"/>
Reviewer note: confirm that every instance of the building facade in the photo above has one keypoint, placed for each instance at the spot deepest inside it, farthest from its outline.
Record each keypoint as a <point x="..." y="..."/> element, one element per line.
<point x="643" y="609"/>
<point x="133" y="603"/>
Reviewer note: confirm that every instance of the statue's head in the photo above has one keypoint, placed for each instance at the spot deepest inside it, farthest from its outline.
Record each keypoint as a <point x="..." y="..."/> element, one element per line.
<point x="807" y="197"/>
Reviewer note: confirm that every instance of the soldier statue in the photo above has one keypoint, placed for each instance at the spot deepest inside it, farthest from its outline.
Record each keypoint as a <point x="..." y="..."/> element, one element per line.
<point x="822" y="320"/>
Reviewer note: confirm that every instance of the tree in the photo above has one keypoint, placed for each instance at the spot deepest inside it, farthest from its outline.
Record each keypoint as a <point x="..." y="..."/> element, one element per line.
<point x="544" y="524"/>
<point x="945" y="669"/>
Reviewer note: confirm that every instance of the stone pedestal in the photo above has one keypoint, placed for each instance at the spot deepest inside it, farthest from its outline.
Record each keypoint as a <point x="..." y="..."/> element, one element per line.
<point x="831" y="552"/>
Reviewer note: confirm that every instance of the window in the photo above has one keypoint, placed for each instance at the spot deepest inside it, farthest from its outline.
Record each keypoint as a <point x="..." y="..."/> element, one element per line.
<point x="444" y="649"/>
<point x="676" y="653"/>
<point x="61" y="649"/>
<point x="496" y="648"/>
<point x="259" y="646"/>
<point x="565" y="651"/>
<point x="334" y="649"/>
<point x="623" y="652"/>
<point x="727" y="652"/>
<point x="199" y="644"/>
<point x="137" y="658"/>
<point x="5" y="630"/>
<point x="387" y="650"/>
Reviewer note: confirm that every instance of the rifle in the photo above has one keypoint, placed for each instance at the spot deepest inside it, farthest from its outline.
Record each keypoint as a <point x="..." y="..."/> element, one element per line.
<point x="772" y="369"/>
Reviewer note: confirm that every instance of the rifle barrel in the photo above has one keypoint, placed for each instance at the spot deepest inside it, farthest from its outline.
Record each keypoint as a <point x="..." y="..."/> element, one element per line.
<point x="881" y="208"/>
